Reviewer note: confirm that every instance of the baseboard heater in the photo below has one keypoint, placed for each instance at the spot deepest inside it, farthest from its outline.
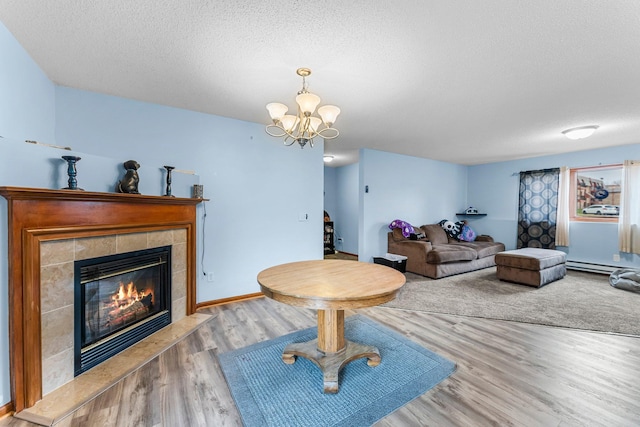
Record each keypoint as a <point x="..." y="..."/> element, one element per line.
<point x="591" y="267"/>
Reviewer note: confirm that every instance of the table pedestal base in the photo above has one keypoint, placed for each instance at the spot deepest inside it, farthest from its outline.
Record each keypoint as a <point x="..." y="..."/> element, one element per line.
<point x="331" y="363"/>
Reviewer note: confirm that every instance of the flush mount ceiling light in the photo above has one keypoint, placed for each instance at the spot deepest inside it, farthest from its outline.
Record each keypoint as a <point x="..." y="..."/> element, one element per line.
<point x="580" y="132"/>
<point x="303" y="127"/>
<point x="327" y="159"/>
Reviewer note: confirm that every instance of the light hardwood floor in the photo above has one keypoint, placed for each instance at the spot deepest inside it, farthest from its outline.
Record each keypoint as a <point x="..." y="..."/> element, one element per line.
<point x="509" y="374"/>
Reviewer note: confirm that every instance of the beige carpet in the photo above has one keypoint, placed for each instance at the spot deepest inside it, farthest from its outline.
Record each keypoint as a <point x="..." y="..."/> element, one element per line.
<point x="580" y="300"/>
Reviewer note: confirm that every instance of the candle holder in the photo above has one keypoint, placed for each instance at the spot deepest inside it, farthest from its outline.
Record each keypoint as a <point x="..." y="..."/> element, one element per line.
<point x="71" y="171"/>
<point x="168" y="191"/>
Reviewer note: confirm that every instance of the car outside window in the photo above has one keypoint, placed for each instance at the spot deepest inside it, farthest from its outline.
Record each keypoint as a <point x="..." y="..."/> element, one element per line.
<point x="595" y="193"/>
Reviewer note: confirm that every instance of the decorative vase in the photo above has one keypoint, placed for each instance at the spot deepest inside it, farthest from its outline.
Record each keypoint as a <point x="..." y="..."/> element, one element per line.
<point x="168" y="191"/>
<point x="71" y="171"/>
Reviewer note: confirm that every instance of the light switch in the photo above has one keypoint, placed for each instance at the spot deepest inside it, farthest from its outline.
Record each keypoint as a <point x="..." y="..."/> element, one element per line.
<point x="303" y="216"/>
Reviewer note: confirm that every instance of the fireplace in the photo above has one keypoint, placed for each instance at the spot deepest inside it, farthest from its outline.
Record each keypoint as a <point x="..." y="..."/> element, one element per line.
<point x="119" y="300"/>
<point x="48" y="231"/>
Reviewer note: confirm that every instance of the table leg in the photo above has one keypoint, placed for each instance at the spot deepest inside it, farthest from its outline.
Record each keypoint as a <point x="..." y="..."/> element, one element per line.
<point x="331" y="351"/>
<point x="331" y="331"/>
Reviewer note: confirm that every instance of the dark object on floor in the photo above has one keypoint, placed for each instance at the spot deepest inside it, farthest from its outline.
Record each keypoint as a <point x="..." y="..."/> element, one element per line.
<point x="398" y="262"/>
<point x="626" y="278"/>
<point x="129" y="184"/>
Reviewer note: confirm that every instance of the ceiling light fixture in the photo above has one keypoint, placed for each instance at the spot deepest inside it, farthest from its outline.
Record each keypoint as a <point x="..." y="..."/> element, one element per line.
<point x="303" y="127"/>
<point x="327" y="159"/>
<point x="580" y="132"/>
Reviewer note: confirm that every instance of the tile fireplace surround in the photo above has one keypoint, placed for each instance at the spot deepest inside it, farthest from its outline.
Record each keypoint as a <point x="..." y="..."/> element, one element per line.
<point x="48" y="231"/>
<point x="57" y="286"/>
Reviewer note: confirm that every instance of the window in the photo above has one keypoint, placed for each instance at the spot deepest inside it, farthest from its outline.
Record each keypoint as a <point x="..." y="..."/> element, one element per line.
<point x="595" y="193"/>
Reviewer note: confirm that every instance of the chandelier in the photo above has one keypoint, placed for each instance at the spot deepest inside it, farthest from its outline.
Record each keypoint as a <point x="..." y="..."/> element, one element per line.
<point x="303" y="127"/>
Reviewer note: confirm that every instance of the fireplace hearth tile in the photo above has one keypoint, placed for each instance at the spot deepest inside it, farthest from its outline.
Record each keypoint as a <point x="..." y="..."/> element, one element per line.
<point x="56" y="289"/>
<point x="180" y="236"/>
<point x="61" y="402"/>
<point x="57" y="331"/>
<point x="56" y="252"/>
<point x="59" y="371"/>
<point x="178" y="308"/>
<point x="94" y="247"/>
<point x="131" y="242"/>
<point x="160" y="238"/>
<point x="179" y="257"/>
<point x="178" y="284"/>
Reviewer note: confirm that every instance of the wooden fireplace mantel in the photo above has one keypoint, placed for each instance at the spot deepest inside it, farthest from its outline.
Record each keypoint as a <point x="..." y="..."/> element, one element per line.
<point x="36" y="215"/>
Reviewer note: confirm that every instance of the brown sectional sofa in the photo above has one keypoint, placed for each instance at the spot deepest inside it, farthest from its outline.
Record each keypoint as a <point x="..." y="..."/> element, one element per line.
<point x="438" y="256"/>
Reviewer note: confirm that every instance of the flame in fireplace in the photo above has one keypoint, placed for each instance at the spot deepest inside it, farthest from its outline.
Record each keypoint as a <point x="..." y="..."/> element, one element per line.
<point x="119" y="308"/>
<point x="127" y="295"/>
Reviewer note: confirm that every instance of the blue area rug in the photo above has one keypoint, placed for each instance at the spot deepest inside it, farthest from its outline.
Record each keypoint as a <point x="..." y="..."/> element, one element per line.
<point x="269" y="392"/>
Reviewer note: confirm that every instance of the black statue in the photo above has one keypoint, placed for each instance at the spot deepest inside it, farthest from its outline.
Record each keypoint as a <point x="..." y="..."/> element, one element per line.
<point x="129" y="184"/>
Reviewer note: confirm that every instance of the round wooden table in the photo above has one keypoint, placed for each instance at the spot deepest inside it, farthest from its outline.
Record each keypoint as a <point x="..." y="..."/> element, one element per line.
<point x="331" y="286"/>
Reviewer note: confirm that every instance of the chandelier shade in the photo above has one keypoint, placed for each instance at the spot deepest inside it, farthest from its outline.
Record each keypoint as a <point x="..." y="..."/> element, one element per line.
<point x="307" y="103"/>
<point x="303" y="127"/>
<point x="289" y="122"/>
<point x="329" y="114"/>
<point x="277" y="110"/>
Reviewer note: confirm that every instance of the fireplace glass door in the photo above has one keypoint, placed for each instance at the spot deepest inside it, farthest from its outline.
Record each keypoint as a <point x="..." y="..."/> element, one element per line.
<point x="120" y="299"/>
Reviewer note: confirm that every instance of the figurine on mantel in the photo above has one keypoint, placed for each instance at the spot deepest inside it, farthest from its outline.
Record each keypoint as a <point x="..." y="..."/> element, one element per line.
<point x="129" y="184"/>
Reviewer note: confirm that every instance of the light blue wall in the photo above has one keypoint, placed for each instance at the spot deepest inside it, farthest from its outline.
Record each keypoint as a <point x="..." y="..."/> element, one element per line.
<point x="419" y="191"/>
<point x="346" y="223"/>
<point x="341" y="202"/>
<point x="258" y="188"/>
<point x="27" y="100"/>
<point x="330" y="188"/>
<point x="493" y="188"/>
<point x="26" y="112"/>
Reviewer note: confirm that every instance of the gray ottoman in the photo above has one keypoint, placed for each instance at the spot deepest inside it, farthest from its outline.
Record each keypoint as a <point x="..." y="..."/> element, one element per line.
<point x="531" y="266"/>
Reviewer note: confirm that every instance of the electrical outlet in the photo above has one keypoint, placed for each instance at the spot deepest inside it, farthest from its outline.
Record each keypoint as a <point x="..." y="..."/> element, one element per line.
<point x="210" y="276"/>
<point x="616" y="257"/>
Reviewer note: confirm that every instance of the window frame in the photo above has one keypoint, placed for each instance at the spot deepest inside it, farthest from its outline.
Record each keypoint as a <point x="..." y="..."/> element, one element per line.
<point x="573" y="201"/>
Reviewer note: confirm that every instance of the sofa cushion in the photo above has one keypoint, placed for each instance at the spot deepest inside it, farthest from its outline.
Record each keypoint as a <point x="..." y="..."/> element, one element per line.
<point x="397" y="234"/>
<point x="435" y="233"/>
<point x="483" y="249"/>
<point x="444" y="253"/>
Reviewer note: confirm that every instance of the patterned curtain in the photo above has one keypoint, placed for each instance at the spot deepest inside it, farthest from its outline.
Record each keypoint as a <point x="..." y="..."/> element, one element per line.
<point x="538" y="208"/>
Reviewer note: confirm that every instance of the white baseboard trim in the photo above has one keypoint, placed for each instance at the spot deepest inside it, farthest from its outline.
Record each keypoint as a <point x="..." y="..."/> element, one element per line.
<point x="591" y="267"/>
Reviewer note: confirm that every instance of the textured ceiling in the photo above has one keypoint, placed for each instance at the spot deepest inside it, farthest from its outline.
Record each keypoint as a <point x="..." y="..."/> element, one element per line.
<point x="461" y="81"/>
